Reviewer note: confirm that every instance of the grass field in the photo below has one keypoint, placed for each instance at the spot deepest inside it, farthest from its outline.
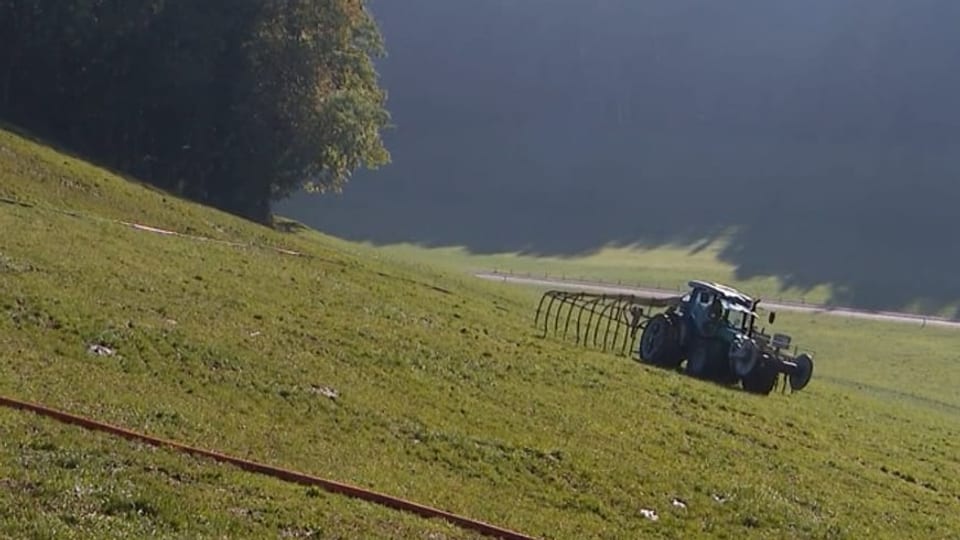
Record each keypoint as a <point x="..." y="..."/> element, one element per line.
<point x="444" y="395"/>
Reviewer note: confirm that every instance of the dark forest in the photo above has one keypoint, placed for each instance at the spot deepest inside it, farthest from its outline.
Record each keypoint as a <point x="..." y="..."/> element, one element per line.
<point x="234" y="103"/>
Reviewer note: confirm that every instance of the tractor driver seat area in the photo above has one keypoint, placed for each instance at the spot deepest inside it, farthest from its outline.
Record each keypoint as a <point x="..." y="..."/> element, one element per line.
<point x="716" y="310"/>
<point x="711" y="310"/>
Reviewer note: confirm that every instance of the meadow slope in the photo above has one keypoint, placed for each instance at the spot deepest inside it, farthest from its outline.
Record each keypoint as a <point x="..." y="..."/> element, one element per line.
<point x="444" y="394"/>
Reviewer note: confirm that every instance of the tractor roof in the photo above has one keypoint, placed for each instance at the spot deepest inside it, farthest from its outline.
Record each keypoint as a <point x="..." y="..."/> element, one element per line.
<point x="724" y="291"/>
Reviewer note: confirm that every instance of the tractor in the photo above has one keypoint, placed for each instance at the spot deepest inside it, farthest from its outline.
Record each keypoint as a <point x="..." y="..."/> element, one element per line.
<point x="710" y="333"/>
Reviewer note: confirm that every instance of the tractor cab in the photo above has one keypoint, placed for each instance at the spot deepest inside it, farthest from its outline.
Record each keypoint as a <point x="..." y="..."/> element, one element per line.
<point x="717" y="310"/>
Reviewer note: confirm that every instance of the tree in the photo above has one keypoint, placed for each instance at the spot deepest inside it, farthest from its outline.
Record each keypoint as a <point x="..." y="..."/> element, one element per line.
<point x="235" y="103"/>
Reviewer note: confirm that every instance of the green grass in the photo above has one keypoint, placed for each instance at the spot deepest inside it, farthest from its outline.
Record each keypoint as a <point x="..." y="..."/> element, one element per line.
<point x="446" y="395"/>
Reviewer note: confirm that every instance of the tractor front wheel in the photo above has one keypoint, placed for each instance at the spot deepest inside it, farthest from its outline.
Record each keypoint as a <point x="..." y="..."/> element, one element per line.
<point x="660" y="342"/>
<point x="761" y="380"/>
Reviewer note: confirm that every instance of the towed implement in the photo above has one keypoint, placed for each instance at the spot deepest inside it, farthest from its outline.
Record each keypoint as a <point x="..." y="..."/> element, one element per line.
<point x="711" y="332"/>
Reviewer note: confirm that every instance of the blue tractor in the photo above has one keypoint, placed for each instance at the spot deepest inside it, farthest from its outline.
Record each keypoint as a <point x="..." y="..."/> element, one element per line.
<point x="710" y="333"/>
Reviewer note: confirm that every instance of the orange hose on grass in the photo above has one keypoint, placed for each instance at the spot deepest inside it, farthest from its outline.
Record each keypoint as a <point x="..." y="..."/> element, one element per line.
<point x="269" y="470"/>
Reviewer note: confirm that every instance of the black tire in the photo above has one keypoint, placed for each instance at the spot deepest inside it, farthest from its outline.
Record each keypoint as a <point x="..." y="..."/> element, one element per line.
<point x="660" y="342"/>
<point x="800" y="379"/>
<point x="761" y="380"/>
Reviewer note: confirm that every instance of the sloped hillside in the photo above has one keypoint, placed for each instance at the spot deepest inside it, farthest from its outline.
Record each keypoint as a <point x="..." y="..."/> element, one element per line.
<point x="410" y="381"/>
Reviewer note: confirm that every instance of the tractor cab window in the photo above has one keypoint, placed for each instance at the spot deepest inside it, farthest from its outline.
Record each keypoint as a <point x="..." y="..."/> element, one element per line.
<point x="736" y="317"/>
<point x="705" y="298"/>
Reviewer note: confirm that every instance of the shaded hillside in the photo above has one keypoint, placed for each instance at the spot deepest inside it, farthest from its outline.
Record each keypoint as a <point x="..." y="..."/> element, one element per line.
<point x="824" y="132"/>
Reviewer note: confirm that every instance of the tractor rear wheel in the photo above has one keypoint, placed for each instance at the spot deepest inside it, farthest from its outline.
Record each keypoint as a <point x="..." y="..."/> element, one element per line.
<point x="660" y="342"/>
<point x="761" y="380"/>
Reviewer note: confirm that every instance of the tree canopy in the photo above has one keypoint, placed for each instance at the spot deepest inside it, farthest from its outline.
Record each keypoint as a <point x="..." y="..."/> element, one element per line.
<point x="235" y="103"/>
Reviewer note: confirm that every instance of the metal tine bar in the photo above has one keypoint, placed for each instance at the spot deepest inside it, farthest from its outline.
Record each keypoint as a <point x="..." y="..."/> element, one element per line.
<point x="603" y="314"/>
<point x="626" y="331"/>
<point x="621" y="319"/>
<point x="579" y="318"/>
<point x="596" y="301"/>
<point x="570" y="302"/>
<point x="565" y="300"/>
<point x="636" y="324"/>
<point x="596" y="327"/>
<point x="632" y="323"/>
<point x="587" y="306"/>
<point x="536" y="320"/>
<point x="577" y="302"/>
<point x="635" y="328"/>
<point x="574" y="303"/>
<point x="546" y="317"/>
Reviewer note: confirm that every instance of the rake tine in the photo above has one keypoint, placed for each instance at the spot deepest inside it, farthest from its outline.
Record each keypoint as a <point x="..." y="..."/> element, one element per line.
<point x="600" y="317"/>
<point x="566" y="301"/>
<point x="616" y="329"/>
<point x="576" y="301"/>
<point x="630" y="324"/>
<point x="603" y="314"/>
<point x="581" y="334"/>
<point x="602" y="306"/>
<point x="557" y="302"/>
<point x="575" y="304"/>
<point x="536" y="320"/>
<point x="546" y="317"/>
<point x="593" y="311"/>
<point x="615" y="312"/>
<point x="579" y="317"/>
<point x="585" y="306"/>
<point x="634" y="330"/>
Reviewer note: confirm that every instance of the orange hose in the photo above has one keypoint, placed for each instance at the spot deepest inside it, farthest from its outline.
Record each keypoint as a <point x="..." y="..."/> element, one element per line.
<point x="276" y="472"/>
